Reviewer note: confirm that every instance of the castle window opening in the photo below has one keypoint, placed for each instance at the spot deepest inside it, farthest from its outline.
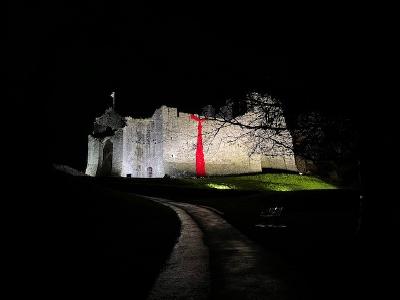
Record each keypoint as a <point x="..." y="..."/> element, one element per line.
<point x="150" y="172"/>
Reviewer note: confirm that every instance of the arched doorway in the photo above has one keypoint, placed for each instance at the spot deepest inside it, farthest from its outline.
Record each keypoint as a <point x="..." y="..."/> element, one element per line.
<point x="106" y="166"/>
<point x="149" y="172"/>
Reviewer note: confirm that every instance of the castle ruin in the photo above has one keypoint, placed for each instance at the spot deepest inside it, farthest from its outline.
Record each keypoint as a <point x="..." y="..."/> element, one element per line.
<point x="168" y="143"/>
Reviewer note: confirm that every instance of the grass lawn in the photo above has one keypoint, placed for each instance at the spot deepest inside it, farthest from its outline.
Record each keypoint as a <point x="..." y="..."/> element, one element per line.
<point x="220" y="185"/>
<point x="262" y="182"/>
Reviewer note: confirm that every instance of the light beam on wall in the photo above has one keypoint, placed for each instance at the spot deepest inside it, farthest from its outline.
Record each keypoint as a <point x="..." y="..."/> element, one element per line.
<point x="200" y="163"/>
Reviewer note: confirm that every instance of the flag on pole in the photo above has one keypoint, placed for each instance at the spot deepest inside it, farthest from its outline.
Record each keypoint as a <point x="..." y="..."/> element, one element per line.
<point x="113" y="97"/>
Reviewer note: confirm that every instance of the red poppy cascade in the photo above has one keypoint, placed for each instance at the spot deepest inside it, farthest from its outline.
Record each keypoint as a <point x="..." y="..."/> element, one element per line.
<point x="200" y="163"/>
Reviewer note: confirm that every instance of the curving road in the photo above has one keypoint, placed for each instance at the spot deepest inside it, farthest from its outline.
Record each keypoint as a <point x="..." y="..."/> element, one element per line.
<point x="186" y="274"/>
<point x="213" y="260"/>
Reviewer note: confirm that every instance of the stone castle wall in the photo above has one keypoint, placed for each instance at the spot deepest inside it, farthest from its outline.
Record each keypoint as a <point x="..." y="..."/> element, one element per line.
<point x="143" y="147"/>
<point x="277" y="149"/>
<point x="226" y="154"/>
<point x="93" y="156"/>
<point x="165" y="144"/>
<point x="221" y="156"/>
<point x="117" y="155"/>
<point x="96" y="148"/>
<point x="180" y="140"/>
<point x="282" y="158"/>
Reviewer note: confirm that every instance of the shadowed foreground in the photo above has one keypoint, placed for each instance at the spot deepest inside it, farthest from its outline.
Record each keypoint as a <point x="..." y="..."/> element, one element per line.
<point x="101" y="243"/>
<point x="326" y="259"/>
<point x="239" y="269"/>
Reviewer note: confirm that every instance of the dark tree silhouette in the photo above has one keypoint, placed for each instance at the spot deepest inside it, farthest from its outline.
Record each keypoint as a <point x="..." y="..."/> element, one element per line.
<point x="323" y="144"/>
<point x="262" y="123"/>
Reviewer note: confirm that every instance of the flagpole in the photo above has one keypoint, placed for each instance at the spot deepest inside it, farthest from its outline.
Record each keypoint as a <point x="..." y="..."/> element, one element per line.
<point x="113" y="96"/>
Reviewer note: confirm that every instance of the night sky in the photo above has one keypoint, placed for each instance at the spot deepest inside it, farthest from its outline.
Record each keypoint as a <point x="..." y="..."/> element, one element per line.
<point x="73" y="57"/>
<point x="68" y="58"/>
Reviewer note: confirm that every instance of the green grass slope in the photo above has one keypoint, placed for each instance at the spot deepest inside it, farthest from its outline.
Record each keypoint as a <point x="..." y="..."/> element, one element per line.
<point x="262" y="182"/>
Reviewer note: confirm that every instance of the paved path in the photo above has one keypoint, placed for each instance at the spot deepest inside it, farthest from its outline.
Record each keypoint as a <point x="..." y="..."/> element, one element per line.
<point x="238" y="268"/>
<point x="186" y="274"/>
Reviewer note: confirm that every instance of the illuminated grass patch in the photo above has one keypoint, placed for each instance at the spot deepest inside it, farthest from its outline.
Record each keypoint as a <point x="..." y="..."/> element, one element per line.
<point x="218" y="186"/>
<point x="263" y="182"/>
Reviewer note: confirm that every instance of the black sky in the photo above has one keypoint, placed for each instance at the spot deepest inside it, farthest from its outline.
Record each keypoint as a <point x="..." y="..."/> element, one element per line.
<point x="67" y="59"/>
<point x="73" y="57"/>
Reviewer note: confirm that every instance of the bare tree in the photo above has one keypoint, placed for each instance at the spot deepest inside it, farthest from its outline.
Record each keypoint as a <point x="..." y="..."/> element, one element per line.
<point x="261" y="122"/>
<point x="325" y="142"/>
<point x="329" y="142"/>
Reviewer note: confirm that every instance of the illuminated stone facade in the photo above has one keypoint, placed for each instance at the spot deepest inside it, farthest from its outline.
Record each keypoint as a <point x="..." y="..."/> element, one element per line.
<point x="165" y="144"/>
